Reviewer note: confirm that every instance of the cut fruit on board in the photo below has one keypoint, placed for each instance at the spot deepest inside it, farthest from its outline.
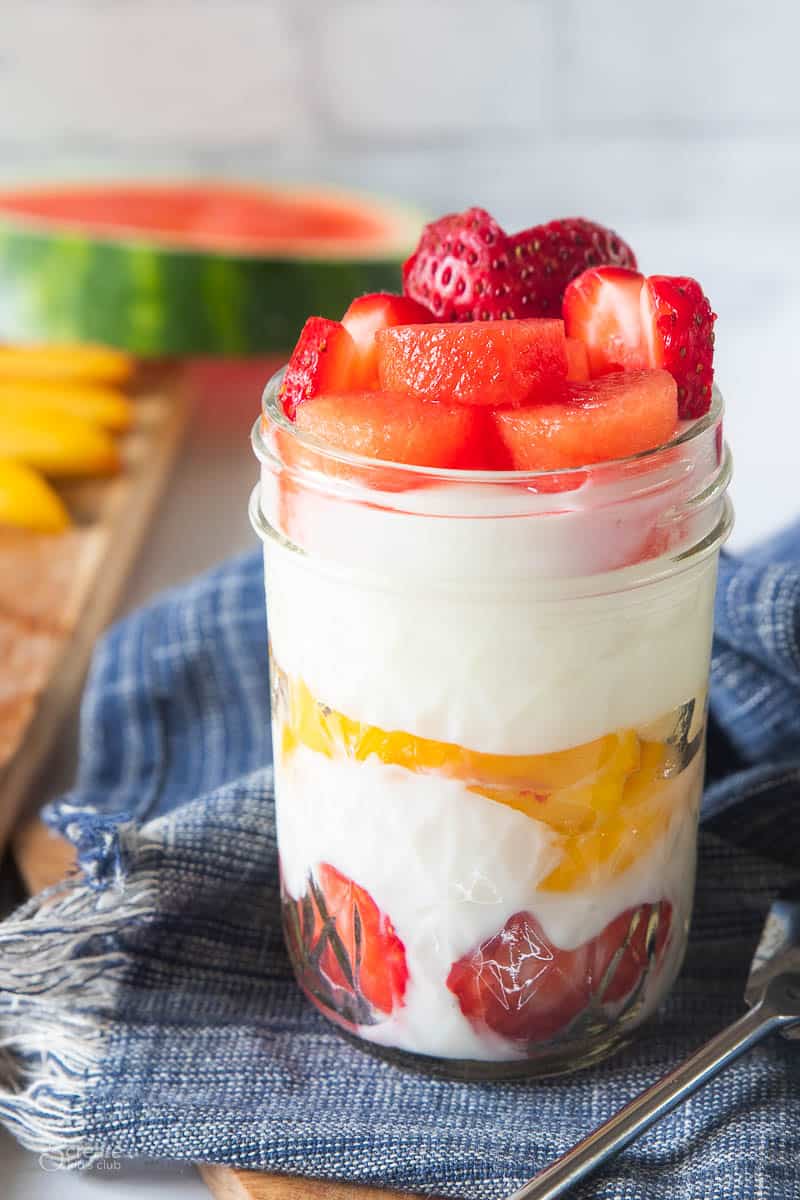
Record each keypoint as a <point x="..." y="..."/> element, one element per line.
<point x="43" y="860"/>
<point x="161" y="269"/>
<point x="58" y="592"/>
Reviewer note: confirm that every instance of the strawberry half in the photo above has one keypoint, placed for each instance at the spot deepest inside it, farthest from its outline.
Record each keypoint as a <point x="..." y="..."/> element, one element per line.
<point x="682" y="323"/>
<point x="378" y="310"/>
<point x="629" y="322"/>
<point x="347" y="955"/>
<point x="528" y="990"/>
<point x="325" y="359"/>
<point x="467" y="268"/>
<point x="577" y="361"/>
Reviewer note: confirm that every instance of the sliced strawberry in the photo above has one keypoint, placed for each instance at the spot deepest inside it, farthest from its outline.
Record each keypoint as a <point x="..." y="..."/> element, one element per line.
<point x="611" y="417"/>
<point x="602" y="308"/>
<point x="324" y="360"/>
<point x="344" y="949"/>
<point x="625" y="947"/>
<point x="379" y="310"/>
<point x="577" y="361"/>
<point x="482" y="363"/>
<point x="524" y="988"/>
<point x="680" y="333"/>
<point x="466" y="268"/>
<point x="397" y="428"/>
<point x="374" y="953"/>
<point x="629" y="322"/>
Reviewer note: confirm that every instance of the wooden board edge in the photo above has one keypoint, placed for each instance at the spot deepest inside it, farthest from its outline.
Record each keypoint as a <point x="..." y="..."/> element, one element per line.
<point x="42" y="857"/>
<point x="231" y="1183"/>
<point x="17" y="777"/>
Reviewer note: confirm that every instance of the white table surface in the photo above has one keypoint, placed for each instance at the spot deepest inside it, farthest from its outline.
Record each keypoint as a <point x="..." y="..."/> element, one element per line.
<point x="203" y="519"/>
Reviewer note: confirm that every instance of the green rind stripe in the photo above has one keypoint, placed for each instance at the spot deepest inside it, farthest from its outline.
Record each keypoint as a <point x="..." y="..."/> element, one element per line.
<point x="155" y="301"/>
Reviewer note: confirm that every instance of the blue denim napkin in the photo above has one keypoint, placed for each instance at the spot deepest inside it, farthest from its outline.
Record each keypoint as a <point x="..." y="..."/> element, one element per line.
<point x="147" y="1007"/>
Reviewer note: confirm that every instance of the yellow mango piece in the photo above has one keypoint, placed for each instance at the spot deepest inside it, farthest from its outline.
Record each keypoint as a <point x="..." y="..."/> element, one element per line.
<point x="610" y="849"/>
<point x="607" y="800"/>
<point x="105" y="406"/>
<point x="580" y="806"/>
<point x="56" y="442"/>
<point x="330" y="733"/>
<point x="27" y="500"/>
<point x="642" y="816"/>
<point x="99" y="364"/>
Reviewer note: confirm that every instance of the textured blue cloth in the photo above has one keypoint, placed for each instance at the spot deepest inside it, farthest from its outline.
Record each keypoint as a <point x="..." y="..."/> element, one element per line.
<point x="151" y="1010"/>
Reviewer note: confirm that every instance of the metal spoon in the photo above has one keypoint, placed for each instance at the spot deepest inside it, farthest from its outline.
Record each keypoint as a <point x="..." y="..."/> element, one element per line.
<point x="773" y="997"/>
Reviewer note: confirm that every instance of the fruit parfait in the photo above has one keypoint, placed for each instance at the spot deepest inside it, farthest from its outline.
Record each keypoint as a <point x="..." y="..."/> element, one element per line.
<point x="491" y="510"/>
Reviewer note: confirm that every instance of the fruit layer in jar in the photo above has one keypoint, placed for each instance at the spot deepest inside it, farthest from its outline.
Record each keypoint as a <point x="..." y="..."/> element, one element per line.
<point x="450" y="902"/>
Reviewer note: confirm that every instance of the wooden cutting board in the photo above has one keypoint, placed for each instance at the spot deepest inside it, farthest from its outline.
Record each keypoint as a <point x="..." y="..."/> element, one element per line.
<point x="45" y="646"/>
<point x="44" y="859"/>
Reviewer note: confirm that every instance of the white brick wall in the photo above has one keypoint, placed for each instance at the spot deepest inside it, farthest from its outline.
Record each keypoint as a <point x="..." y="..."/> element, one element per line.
<point x="690" y="67"/>
<point x="413" y="70"/>
<point x="628" y="110"/>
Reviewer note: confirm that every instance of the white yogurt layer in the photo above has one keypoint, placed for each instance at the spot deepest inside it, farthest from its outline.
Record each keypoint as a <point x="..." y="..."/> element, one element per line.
<point x="449" y="868"/>
<point x="496" y="665"/>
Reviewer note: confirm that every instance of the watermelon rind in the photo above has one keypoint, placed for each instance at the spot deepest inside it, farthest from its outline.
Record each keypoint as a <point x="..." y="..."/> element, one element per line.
<point x="155" y="298"/>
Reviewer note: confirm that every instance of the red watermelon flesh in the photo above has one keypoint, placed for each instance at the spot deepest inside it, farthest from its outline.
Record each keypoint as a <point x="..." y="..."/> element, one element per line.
<point x="211" y="217"/>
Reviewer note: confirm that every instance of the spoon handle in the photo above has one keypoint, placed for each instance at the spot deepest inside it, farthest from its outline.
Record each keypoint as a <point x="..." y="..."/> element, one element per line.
<point x="649" y="1106"/>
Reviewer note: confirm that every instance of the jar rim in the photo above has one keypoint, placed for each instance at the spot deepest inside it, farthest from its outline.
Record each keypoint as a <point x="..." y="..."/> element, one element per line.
<point x="272" y="412"/>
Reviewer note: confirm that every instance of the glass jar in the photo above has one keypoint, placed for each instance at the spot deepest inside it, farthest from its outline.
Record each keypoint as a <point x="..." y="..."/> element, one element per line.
<point x="489" y="698"/>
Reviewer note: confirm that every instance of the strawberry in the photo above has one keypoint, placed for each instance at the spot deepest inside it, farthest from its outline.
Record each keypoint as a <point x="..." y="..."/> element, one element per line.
<point x="379" y="310"/>
<point x="345" y="951"/>
<point x="683" y="338"/>
<point x="466" y="268"/>
<point x="612" y="417"/>
<point x="524" y="988"/>
<point x="325" y="359"/>
<point x="630" y="322"/>
<point x="479" y="362"/>
<point x="602" y="308"/>
<point x="577" y="361"/>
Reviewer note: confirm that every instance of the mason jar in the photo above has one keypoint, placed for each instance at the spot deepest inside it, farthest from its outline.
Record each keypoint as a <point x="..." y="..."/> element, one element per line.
<point x="489" y="704"/>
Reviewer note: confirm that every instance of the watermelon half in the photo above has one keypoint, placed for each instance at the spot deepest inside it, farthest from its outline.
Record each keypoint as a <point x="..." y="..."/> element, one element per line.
<point x="160" y="269"/>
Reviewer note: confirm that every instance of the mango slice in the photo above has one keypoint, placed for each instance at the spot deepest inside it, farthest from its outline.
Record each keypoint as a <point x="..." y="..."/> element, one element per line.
<point x="55" y="442"/>
<point x="331" y="733"/>
<point x="27" y="500"/>
<point x="99" y="364"/>
<point x="95" y="403"/>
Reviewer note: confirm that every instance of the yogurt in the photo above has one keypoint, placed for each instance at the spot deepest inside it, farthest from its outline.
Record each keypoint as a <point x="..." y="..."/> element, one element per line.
<point x="450" y="868"/>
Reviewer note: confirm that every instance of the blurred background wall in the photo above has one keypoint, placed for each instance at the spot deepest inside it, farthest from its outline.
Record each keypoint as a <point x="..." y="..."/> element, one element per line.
<point x="676" y="122"/>
<point x="687" y="110"/>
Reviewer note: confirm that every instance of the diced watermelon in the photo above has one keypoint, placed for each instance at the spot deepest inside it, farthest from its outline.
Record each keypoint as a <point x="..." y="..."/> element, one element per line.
<point x="397" y="428"/>
<point x="611" y="417"/>
<point x="476" y="363"/>
<point x="378" y="310"/>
